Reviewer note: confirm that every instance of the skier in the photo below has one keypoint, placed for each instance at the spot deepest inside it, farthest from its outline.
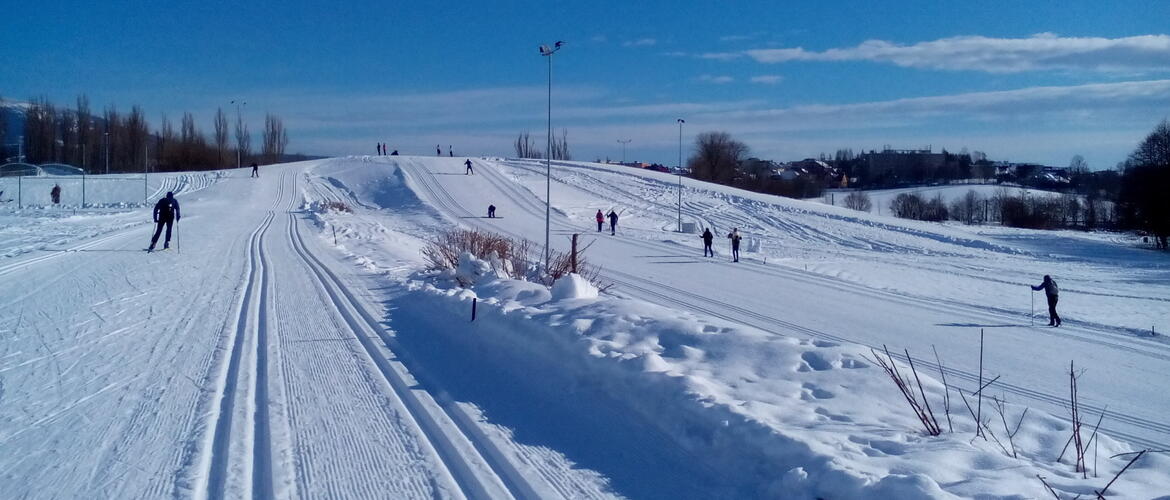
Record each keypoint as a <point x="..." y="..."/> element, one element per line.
<point x="449" y="153"/>
<point x="394" y="153"/>
<point x="1053" y="294"/>
<point x="55" y="194"/>
<point x="734" y="237"/>
<point x="438" y="150"/>
<point x="600" y="220"/>
<point x="469" y="169"/>
<point x="613" y="216"/>
<point x="255" y="170"/>
<point x="708" y="238"/>
<point x="166" y="213"/>
<point x="491" y="211"/>
<point x="379" y="147"/>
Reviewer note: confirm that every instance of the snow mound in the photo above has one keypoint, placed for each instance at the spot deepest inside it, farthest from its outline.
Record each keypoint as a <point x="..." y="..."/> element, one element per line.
<point x="771" y="416"/>
<point x="573" y="286"/>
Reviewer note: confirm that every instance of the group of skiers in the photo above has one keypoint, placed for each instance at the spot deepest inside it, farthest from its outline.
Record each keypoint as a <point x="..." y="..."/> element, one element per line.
<point x="382" y="150"/>
<point x="613" y="218"/>
<point x="709" y="239"/>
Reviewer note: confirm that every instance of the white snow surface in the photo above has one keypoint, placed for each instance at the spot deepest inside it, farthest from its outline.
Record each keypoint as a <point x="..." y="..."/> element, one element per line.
<point x="287" y="349"/>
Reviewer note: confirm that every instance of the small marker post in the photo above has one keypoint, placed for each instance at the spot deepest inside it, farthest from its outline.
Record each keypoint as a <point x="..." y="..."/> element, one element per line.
<point x="473" y="301"/>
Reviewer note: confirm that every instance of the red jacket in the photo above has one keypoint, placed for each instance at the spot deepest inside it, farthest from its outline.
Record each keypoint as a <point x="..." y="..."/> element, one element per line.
<point x="600" y="218"/>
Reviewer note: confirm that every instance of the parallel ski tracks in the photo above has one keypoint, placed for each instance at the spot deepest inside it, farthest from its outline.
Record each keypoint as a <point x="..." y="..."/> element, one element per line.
<point x="220" y="461"/>
<point x="692" y="301"/>
<point x="476" y="465"/>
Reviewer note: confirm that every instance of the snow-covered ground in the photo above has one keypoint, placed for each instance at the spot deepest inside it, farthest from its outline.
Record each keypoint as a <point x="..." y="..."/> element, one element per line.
<point x="291" y="351"/>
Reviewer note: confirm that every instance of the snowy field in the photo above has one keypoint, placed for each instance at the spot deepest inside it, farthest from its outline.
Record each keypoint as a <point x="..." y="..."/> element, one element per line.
<point x="287" y="351"/>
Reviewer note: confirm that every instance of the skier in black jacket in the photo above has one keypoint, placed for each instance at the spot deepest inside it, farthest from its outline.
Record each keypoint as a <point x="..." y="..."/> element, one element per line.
<point x="613" y="217"/>
<point x="708" y="238"/>
<point x="1053" y="293"/>
<point x="166" y="212"/>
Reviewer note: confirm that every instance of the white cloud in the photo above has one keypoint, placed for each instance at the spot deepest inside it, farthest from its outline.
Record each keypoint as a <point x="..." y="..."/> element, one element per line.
<point x="720" y="79"/>
<point x="767" y="79"/>
<point x="1043" y="51"/>
<point x="598" y="39"/>
<point x="720" y="56"/>
<point x="641" y="42"/>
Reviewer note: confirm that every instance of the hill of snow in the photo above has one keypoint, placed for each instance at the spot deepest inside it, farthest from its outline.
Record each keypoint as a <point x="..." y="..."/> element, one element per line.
<point x="290" y="349"/>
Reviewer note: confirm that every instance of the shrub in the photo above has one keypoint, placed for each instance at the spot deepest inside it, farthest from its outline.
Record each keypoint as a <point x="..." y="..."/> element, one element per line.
<point x="858" y="200"/>
<point x="338" y="206"/>
<point x="443" y="253"/>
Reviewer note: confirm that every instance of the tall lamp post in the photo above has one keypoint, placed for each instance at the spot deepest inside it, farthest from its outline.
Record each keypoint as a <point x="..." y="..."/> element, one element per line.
<point x="548" y="52"/>
<point x="239" y="128"/>
<point x="624" y="142"/>
<point x="680" y="124"/>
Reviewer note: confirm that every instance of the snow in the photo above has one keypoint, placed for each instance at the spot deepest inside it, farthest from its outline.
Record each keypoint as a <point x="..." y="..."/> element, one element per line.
<point x="289" y="350"/>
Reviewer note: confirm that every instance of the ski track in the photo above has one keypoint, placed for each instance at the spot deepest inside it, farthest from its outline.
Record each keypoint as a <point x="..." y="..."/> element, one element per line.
<point x="677" y="297"/>
<point x="477" y="466"/>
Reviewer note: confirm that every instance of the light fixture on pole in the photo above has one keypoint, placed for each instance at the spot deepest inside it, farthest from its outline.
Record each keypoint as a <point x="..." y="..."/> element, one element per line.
<point x="680" y="167"/>
<point x="548" y="52"/>
<point x="624" y="142"/>
<point x="239" y="129"/>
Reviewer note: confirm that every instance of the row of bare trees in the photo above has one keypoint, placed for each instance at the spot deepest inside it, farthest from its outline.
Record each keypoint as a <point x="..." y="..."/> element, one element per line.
<point x="81" y="138"/>
<point x="558" y="149"/>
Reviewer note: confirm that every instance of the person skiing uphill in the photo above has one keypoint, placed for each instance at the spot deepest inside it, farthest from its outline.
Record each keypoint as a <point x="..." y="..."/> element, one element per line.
<point x="166" y="213"/>
<point x="600" y="220"/>
<point x="55" y="194"/>
<point x="613" y="217"/>
<point x="735" y="238"/>
<point x="1053" y="294"/>
<point x="708" y="238"/>
<point x="255" y="170"/>
<point x="469" y="169"/>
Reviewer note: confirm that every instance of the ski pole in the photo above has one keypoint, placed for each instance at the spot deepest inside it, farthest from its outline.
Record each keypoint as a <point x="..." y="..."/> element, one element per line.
<point x="1033" y="311"/>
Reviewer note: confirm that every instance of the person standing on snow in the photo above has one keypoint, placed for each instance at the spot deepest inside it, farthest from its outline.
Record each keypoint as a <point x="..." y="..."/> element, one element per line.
<point x="469" y="169"/>
<point x="166" y="213"/>
<point x="491" y="211"/>
<point x="735" y="238"/>
<point x="255" y="170"/>
<point x="613" y="217"/>
<point x="600" y="220"/>
<point x="438" y="150"/>
<point x="1053" y="294"/>
<point x="708" y="238"/>
<point x="55" y="194"/>
<point x="449" y="153"/>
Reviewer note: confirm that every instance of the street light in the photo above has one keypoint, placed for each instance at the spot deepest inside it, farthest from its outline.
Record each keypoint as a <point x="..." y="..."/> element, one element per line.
<point x="548" y="52"/>
<point x="627" y="141"/>
<point x="680" y="124"/>
<point x="239" y="129"/>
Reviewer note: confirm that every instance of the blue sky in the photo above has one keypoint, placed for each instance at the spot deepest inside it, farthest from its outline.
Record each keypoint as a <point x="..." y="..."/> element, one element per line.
<point x="1026" y="81"/>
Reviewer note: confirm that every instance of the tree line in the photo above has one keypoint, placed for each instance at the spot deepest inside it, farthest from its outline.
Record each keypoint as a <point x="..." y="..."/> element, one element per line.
<point x="558" y="147"/>
<point x="80" y="137"/>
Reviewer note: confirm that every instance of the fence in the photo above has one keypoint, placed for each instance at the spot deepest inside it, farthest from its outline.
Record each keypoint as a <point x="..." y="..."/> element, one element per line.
<point x="79" y="190"/>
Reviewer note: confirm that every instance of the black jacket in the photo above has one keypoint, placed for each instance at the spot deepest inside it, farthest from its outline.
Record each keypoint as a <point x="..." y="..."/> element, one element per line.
<point x="167" y="209"/>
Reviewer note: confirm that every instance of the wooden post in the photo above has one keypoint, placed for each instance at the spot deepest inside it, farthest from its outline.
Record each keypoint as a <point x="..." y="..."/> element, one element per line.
<point x="573" y="255"/>
<point x="473" y="301"/>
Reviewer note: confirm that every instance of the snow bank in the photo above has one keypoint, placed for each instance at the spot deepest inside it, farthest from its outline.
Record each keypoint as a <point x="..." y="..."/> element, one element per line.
<point x="771" y="416"/>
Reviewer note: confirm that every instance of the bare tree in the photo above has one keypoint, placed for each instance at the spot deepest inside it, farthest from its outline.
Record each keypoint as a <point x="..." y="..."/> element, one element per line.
<point x="1077" y="165"/>
<point x="717" y="157"/>
<point x="275" y="139"/>
<point x="1145" y="184"/>
<point x="525" y="148"/>
<point x="560" y="147"/>
<point x="221" y="136"/>
<point x="243" y="138"/>
<point x="858" y="200"/>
